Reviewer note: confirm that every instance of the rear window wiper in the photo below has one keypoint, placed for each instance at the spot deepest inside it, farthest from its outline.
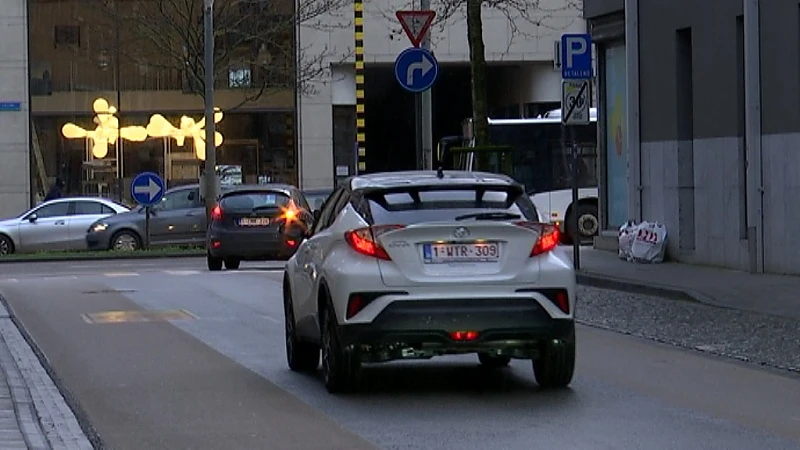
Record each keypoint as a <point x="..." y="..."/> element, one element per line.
<point x="489" y="216"/>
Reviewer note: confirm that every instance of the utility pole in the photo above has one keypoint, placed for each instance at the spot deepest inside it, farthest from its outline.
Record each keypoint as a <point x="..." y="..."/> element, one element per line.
<point x="426" y="107"/>
<point x="211" y="184"/>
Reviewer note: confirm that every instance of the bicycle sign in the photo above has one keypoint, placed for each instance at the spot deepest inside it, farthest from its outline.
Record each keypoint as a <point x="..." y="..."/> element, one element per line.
<point x="575" y="102"/>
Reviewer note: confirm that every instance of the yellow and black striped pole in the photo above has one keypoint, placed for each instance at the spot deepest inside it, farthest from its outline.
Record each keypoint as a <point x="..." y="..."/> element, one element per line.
<point x="358" y="22"/>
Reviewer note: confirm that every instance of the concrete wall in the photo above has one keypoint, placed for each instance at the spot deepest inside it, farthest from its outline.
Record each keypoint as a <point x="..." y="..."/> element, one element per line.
<point x="14" y="125"/>
<point x="384" y="40"/>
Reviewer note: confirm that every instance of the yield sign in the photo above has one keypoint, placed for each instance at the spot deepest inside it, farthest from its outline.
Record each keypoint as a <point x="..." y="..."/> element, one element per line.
<point x="416" y="24"/>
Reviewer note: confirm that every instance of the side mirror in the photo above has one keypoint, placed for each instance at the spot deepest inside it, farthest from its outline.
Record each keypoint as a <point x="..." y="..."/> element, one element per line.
<point x="32" y="218"/>
<point x="317" y="213"/>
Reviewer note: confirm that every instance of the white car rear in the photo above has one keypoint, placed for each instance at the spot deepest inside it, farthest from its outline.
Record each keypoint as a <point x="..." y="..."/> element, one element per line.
<point x="419" y="264"/>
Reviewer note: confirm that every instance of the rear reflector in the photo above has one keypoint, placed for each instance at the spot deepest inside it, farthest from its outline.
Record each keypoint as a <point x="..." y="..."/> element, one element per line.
<point x="216" y="244"/>
<point x="354" y="305"/>
<point x="559" y="297"/>
<point x="464" y="335"/>
<point x="549" y="236"/>
<point x="365" y="240"/>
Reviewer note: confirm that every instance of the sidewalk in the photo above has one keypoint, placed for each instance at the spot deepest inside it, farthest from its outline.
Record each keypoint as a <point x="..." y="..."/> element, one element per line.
<point x="33" y="413"/>
<point x="769" y="294"/>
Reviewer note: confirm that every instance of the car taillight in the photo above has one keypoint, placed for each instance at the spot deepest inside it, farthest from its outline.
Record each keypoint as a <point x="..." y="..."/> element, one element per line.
<point x="464" y="335"/>
<point x="549" y="236"/>
<point x="216" y="213"/>
<point x="365" y="240"/>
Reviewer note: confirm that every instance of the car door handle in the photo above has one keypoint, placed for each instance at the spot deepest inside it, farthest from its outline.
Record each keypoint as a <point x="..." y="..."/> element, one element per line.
<point x="60" y="222"/>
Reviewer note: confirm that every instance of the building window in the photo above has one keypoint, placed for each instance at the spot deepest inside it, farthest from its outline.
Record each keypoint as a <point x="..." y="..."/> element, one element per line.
<point x="67" y="35"/>
<point x="239" y="78"/>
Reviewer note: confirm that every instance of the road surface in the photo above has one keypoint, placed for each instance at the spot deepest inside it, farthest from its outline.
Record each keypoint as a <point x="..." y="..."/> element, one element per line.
<point x="216" y="377"/>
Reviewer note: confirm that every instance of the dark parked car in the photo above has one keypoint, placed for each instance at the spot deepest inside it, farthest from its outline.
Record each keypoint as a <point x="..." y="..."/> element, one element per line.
<point x="179" y="219"/>
<point x="257" y="223"/>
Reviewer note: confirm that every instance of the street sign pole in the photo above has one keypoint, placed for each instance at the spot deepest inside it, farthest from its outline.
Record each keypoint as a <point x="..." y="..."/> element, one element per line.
<point x="416" y="24"/>
<point x="146" y="227"/>
<point x="426" y="105"/>
<point x="576" y="243"/>
<point x="575" y="60"/>
<point x="147" y="189"/>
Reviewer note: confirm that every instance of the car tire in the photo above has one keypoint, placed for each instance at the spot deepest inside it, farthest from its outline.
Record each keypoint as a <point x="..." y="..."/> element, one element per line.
<point x="125" y="241"/>
<point x="6" y="245"/>
<point x="555" y="365"/>
<point x="232" y="264"/>
<point x="589" y="226"/>
<point x="214" y="264"/>
<point x="341" y="368"/>
<point x="300" y="356"/>
<point x="492" y="361"/>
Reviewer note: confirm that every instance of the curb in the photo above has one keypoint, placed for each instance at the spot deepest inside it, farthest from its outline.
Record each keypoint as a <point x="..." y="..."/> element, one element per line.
<point x="633" y="287"/>
<point x="72" y="401"/>
<point x="78" y="257"/>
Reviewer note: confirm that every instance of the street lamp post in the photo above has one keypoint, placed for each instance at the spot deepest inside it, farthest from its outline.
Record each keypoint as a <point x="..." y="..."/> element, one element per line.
<point x="211" y="184"/>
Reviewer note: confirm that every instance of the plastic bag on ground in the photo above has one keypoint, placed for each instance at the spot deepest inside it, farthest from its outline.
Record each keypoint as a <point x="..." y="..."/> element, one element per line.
<point x="649" y="243"/>
<point x="626" y="234"/>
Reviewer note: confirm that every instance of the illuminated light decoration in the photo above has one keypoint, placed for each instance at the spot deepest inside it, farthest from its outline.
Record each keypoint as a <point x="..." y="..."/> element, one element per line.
<point x="160" y="127"/>
<point x="107" y="130"/>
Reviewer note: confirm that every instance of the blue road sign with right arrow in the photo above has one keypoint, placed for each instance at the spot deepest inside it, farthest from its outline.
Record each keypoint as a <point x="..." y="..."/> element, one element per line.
<point x="416" y="69"/>
<point x="147" y="188"/>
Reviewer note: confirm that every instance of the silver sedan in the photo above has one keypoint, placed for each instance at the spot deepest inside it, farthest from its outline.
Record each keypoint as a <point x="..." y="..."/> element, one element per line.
<point x="55" y="225"/>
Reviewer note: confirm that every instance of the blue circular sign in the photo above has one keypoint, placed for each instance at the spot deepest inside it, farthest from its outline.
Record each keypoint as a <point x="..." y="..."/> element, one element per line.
<point x="416" y="69"/>
<point x="147" y="188"/>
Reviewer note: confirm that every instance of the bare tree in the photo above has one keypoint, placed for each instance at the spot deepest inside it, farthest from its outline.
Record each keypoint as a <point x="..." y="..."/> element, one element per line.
<point x="521" y="15"/>
<point x="256" y="49"/>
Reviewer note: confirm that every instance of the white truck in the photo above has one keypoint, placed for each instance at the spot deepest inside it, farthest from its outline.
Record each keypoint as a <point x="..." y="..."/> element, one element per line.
<point x="530" y="151"/>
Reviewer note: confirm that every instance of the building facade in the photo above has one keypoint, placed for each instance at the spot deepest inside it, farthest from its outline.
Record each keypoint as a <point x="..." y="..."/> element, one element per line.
<point x="520" y="54"/>
<point x="96" y="91"/>
<point x="15" y="107"/>
<point x="710" y="127"/>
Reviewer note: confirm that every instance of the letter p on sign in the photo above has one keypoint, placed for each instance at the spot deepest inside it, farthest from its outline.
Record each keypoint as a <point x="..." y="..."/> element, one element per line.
<point x="576" y="56"/>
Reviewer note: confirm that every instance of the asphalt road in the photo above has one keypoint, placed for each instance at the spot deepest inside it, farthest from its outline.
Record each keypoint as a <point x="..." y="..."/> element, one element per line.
<point x="218" y="378"/>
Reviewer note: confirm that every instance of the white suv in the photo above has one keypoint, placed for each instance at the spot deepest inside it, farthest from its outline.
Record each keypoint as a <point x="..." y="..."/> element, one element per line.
<point x="409" y="265"/>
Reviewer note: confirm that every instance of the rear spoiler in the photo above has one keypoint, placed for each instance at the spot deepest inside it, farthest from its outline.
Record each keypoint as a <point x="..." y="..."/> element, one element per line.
<point x="379" y="194"/>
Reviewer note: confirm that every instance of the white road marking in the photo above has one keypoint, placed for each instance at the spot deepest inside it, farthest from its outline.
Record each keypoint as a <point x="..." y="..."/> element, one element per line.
<point x="182" y="272"/>
<point x="121" y="274"/>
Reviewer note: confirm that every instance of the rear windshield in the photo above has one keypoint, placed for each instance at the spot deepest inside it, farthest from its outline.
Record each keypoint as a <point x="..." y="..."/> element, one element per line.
<point x="409" y="207"/>
<point x="252" y="200"/>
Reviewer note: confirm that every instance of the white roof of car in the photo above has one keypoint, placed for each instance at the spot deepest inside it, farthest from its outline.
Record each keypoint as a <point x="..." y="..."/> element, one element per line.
<point x="426" y="177"/>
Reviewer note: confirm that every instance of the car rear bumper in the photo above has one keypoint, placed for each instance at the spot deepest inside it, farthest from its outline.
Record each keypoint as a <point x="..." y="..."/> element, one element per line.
<point x="429" y="323"/>
<point x="242" y="246"/>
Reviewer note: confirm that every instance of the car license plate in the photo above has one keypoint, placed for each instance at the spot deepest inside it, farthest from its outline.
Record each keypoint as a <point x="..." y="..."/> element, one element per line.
<point x="254" y="222"/>
<point x="485" y="252"/>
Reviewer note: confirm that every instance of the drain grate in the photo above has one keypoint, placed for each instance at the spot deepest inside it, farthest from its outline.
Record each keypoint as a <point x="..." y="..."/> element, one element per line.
<point x="110" y="291"/>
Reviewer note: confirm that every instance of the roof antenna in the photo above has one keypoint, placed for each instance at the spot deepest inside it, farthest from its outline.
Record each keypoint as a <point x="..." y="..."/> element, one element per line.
<point x="440" y="172"/>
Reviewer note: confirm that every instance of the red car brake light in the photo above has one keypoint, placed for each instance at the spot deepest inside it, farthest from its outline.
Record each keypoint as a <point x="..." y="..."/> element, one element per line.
<point x="216" y="213"/>
<point x="365" y="240"/>
<point x="549" y="236"/>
